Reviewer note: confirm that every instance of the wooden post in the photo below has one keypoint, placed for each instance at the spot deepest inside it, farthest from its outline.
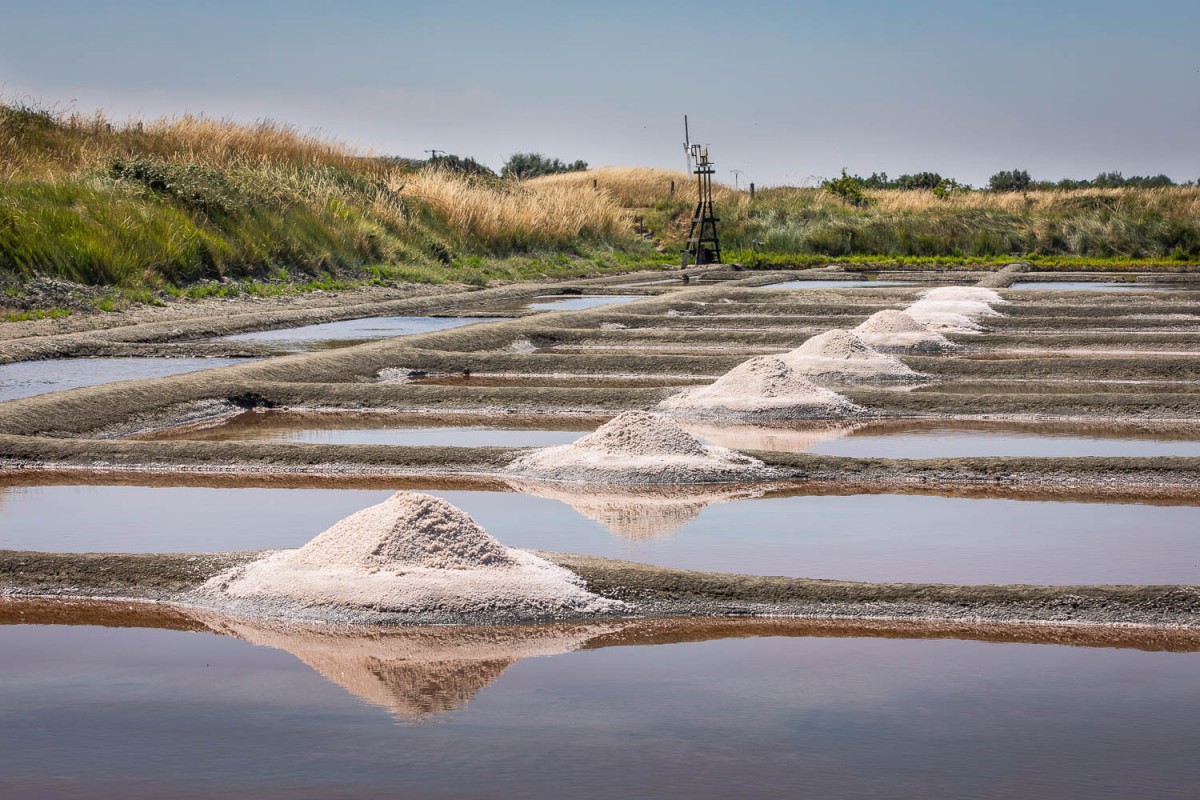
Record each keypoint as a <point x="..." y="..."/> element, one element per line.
<point x="752" y="191"/>
<point x="595" y="188"/>
<point x="672" y="188"/>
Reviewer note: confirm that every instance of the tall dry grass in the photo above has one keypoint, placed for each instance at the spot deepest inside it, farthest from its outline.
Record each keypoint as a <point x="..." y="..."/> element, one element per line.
<point x="636" y="187"/>
<point x="515" y="214"/>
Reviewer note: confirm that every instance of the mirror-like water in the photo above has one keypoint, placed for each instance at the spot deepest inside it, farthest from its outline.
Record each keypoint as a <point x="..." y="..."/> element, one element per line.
<point x="855" y="440"/>
<point x="856" y="537"/>
<point x="139" y="713"/>
<point x="497" y="431"/>
<point x="565" y="302"/>
<point x="951" y="439"/>
<point x="837" y="284"/>
<point x="1085" y="286"/>
<point x="327" y="335"/>
<point x="29" y="378"/>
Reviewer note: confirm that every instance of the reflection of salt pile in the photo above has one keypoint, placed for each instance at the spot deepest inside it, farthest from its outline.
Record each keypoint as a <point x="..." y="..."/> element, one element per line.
<point x="761" y="388"/>
<point x="411" y="554"/>
<point x="842" y="356"/>
<point x="896" y="331"/>
<point x="414" y="672"/>
<point x="637" y="447"/>
<point x="797" y="438"/>
<point x="637" y="513"/>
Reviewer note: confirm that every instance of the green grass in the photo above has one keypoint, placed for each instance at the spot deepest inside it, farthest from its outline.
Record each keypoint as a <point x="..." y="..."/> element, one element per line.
<point x="33" y="314"/>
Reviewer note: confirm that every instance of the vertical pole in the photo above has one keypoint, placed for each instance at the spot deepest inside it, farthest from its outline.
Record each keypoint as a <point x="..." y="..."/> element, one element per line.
<point x="672" y="188"/>
<point x="752" y="191"/>
<point x="595" y="188"/>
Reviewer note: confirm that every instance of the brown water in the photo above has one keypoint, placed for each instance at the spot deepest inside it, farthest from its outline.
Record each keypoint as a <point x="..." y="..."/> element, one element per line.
<point x="586" y="712"/>
<point x="856" y="440"/>
<point x="856" y="537"/>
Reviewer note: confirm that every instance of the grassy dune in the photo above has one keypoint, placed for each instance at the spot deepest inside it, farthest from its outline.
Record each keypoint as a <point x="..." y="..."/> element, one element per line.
<point x="799" y="225"/>
<point x="177" y="203"/>
<point x="180" y="200"/>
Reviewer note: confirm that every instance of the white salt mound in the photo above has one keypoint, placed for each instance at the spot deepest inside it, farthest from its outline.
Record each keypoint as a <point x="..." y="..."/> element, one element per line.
<point x="944" y="320"/>
<point x="841" y="355"/>
<point x="410" y="554"/>
<point x="898" y="331"/>
<point x="637" y="447"/>
<point x="968" y="308"/>
<point x="976" y="293"/>
<point x="763" y="387"/>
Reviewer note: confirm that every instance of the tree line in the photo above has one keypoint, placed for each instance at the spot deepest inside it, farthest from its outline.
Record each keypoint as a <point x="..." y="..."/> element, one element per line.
<point x="1015" y="180"/>
<point x="519" y="166"/>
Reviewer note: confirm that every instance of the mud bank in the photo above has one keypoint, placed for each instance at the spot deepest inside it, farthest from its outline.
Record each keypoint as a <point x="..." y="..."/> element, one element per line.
<point x="653" y="591"/>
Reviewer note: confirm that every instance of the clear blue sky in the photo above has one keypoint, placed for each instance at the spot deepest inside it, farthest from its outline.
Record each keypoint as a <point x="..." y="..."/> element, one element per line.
<point x="781" y="90"/>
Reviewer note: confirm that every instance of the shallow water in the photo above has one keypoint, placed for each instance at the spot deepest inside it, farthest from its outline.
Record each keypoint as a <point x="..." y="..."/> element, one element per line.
<point x="1085" y="286"/>
<point x="951" y="440"/>
<point x="565" y="302"/>
<point x="140" y="713"/>
<point x="29" y="378"/>
<point x="498" y="431"/>
<point x="856" y="537"/>
<point x="327" y="335"/>
<point x="837" y="284"/>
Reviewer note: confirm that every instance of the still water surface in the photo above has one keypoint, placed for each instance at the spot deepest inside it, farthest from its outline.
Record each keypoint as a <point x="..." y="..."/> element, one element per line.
<point x="887" y="440"/>
<point x="836" y="284"/>
<point x="348" y="332"/>
<point x="856" y="537"/>
<point x="137" y="713"/>
<point x="29" y="378"/>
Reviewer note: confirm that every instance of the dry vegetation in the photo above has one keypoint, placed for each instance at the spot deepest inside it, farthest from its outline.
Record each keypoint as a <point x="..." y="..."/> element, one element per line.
<point x="182" y="200"/>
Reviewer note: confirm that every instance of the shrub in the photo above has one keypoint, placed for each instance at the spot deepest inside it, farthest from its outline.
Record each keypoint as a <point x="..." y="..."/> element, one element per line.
<point x="523" y="166"/>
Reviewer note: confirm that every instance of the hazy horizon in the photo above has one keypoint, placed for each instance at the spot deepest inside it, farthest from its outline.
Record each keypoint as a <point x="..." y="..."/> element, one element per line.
<point x="782" y="91"/>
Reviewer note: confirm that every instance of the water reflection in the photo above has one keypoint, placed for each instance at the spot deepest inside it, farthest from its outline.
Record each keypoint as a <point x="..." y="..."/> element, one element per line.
<point x="632" y="513"/>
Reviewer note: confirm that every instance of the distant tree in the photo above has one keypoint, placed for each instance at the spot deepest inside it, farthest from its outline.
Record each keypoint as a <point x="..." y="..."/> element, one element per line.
<point x="922" y="180"/>
<point x="1014" y="180"/>
<point x="462" y="164"/>
<point x="878" y="180"/>
<point x="523" y="166"/>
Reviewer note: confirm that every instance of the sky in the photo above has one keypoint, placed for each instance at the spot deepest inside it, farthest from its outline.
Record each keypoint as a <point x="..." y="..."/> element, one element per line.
<point x="786" y="92"/>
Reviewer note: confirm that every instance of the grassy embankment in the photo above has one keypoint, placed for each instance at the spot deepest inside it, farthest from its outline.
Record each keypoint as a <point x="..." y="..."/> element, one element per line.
<point x="175" y="204"/>
<point x="1109" y="228"/>
<point x="183" y="205"/>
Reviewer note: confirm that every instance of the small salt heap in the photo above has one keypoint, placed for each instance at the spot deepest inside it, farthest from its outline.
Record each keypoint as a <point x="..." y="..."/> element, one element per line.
<point x="976" y="293"/>
<point x="637" y="447"/>
<point x="411" y="554"/>
<point x="896" y="331"/>
<point x="843" y="356"/>
<point x="968" y="308"/>
<point x="761" y="388"/>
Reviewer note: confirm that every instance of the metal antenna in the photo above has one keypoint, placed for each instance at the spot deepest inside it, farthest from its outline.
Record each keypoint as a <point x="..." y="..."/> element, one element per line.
<point x="736" y="174"/>
<point x="687" y="144"/>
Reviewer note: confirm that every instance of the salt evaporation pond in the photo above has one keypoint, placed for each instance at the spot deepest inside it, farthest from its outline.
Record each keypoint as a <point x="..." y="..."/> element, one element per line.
<point x="142" y="713"/>
<point x="951" y="440"/>
<point x="565" y="302"/>
<point x="328" y="335"/>
<point x="838" y="284"/>
<point x="498" y="431"/>
<point x="861" y="537"/>
<point x="30" y="378"/>
<point x="1085" y="286"/>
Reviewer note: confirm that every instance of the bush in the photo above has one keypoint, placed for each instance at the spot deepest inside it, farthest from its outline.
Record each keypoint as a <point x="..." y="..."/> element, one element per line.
<point x="523" y="166"/>
<point x="848" y="188"/>
<point x="1013" y="180"/>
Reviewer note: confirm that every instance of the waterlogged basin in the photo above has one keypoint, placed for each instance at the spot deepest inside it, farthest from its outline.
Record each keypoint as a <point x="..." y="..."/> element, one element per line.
<point x="391" y="429"/>
<point x="260" y="712"/>
<point x="952" y="440"/>
<point x="328" y="335"/>
<point x="838" y="284"/>
<point x="1085" y="286"/>
<point x="29" y="378"/>
<point x="859" y="537"/>
<point x="565" y="302"/>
